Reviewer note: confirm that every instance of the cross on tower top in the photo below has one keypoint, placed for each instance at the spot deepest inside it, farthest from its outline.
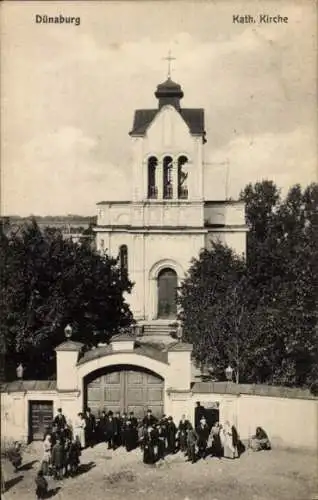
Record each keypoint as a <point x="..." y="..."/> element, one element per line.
<point x="169" y="58"/>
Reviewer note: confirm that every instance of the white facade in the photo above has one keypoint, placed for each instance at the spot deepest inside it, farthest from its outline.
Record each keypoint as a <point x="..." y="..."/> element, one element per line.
<point x="278" y="410"/>
<point x="166" y="222"/>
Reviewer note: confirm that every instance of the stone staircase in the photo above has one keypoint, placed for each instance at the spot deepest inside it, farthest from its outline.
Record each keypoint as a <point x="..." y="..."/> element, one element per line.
<point x="157" y="331"/>
<point x="161" y="332"/>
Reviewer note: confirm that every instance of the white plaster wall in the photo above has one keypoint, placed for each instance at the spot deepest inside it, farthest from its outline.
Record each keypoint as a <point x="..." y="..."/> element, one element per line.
<point x="235" y="214"/>
<point x="168" y="131"/>
<point x="111" y="214"/>
<point x="145" y="250"/>
<point x="66" y="376"/>
<point x="182" y="403"/>
<point x="13" y="417"/>
<point x="288" y="422"/>
<point x="168" y="135"/>
<point x="230" y="214"/>
<point x="234" y="239"/>
<point x="291" y="423"/>
<point x="168" y="213"/>
<point x="15" y="412"/>
<point x="180" y="369"/>
<point x="178" y="248"/>
<point x="138" y="187"/>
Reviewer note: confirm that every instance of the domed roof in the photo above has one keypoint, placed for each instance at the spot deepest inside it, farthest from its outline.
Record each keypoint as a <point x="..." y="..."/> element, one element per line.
<point x="169" y="89"/>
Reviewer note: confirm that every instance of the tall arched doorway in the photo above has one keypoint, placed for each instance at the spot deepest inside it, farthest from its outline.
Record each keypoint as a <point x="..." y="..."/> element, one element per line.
<point x="125" y="388"/>
<point x="167" y="293"/>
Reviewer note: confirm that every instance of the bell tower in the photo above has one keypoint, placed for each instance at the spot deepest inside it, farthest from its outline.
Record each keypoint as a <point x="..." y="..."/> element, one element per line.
<point x="167" y="145"/>
<point x="166" y="221"/>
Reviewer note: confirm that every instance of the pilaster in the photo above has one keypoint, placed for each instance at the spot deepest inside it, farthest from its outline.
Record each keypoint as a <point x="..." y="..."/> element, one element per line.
<point x="159" y="179"/>
<point x="175" y="180"/>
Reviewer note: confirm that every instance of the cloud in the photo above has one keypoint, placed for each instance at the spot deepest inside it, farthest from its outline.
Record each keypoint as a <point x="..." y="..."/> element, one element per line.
<point x="68" y="96"/>
<point x="58" y="173"/>
<point x="286" y="158"/>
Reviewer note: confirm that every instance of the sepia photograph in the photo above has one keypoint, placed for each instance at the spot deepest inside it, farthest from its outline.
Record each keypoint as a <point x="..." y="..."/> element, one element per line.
<point x="158" y="250"/>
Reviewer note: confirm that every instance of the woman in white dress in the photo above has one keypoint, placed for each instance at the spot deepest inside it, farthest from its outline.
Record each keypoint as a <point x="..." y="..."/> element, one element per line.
<point x="47" y="451"/>
<point x="79" y="429"/>
<point x="229" y="450"/>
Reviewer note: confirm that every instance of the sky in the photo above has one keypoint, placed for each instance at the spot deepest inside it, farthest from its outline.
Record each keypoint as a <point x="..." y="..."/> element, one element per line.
<point x="68" y="95"/>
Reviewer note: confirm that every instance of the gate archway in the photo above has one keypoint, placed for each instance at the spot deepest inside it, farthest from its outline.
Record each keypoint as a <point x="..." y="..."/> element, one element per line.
<point x="125" y="388"/>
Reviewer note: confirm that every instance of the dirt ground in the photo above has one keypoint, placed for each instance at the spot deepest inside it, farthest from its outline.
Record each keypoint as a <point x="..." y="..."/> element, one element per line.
<point x="271" y="475"/>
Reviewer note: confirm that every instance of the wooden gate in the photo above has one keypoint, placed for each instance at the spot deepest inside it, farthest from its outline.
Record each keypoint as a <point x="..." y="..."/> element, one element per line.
<point x="126" y="390"/>
<point x="40" y="417"/>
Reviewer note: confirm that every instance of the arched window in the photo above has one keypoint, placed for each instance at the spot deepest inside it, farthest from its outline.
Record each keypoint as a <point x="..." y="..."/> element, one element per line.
<point x="152" y="188"/>
<point x="167" y="177"/>
<point x="182" y="177"/>
<point x="123" y="258"/>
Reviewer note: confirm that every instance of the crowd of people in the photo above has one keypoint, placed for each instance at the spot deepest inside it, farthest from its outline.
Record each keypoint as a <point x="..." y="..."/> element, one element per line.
<point x="156" y="437"/>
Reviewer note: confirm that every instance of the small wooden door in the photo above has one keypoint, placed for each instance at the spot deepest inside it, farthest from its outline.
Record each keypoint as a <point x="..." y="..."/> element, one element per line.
<point x="167" y="294"/>
<point x="41" y="416"/>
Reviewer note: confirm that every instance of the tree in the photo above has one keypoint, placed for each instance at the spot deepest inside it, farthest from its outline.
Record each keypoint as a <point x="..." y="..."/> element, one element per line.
<point x="214" y="307"/>
<point x="48" y="282"/>
<point x="282" y="261"/>
<point x="260" y="315"/>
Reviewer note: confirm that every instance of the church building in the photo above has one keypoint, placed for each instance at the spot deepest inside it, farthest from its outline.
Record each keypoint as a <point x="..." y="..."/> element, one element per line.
<point x="155" y="234"/>
<point x="167" y="220"/>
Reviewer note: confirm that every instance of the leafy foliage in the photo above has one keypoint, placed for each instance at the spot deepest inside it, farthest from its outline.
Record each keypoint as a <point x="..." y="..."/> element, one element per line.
<point x="260" y="315"/>
<point x="47" y="282"/>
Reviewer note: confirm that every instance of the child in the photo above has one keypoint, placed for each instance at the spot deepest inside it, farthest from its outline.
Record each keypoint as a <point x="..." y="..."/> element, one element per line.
<point x="41" y="485"/>
<point x="47" y="449"/>
<point x="58" y="459"/>
<point x="15" y="456"/>
<point x="73" y="456"/>
<point x="67" y="445"/>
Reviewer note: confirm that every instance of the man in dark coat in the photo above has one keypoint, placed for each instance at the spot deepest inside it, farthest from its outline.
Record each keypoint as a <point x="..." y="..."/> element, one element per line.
<point x="111" y="431"/>
<point x="102" y="426"/>
<point x="133" y="430"/>
<point x="149" y="420"/>
<point x="90" y="428"/>
<point x="171" y="435"/>
<point x="161" y="440"/>
<point x="183" y="427"/>
<point x="133" y="419"/>
<point x="60" y="423"/>
<point x="129" y="436"/>
<point x="199" y="412"/>
<point x="124" y="420"/>
<point x="191" y="442"/>
<point x="203" y="435"/>
<point x="119" y="424"/>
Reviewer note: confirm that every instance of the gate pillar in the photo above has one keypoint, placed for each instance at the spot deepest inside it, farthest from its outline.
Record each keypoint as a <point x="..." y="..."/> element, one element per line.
<point x="67" y="355"/>
<point x="179" y="359"/>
